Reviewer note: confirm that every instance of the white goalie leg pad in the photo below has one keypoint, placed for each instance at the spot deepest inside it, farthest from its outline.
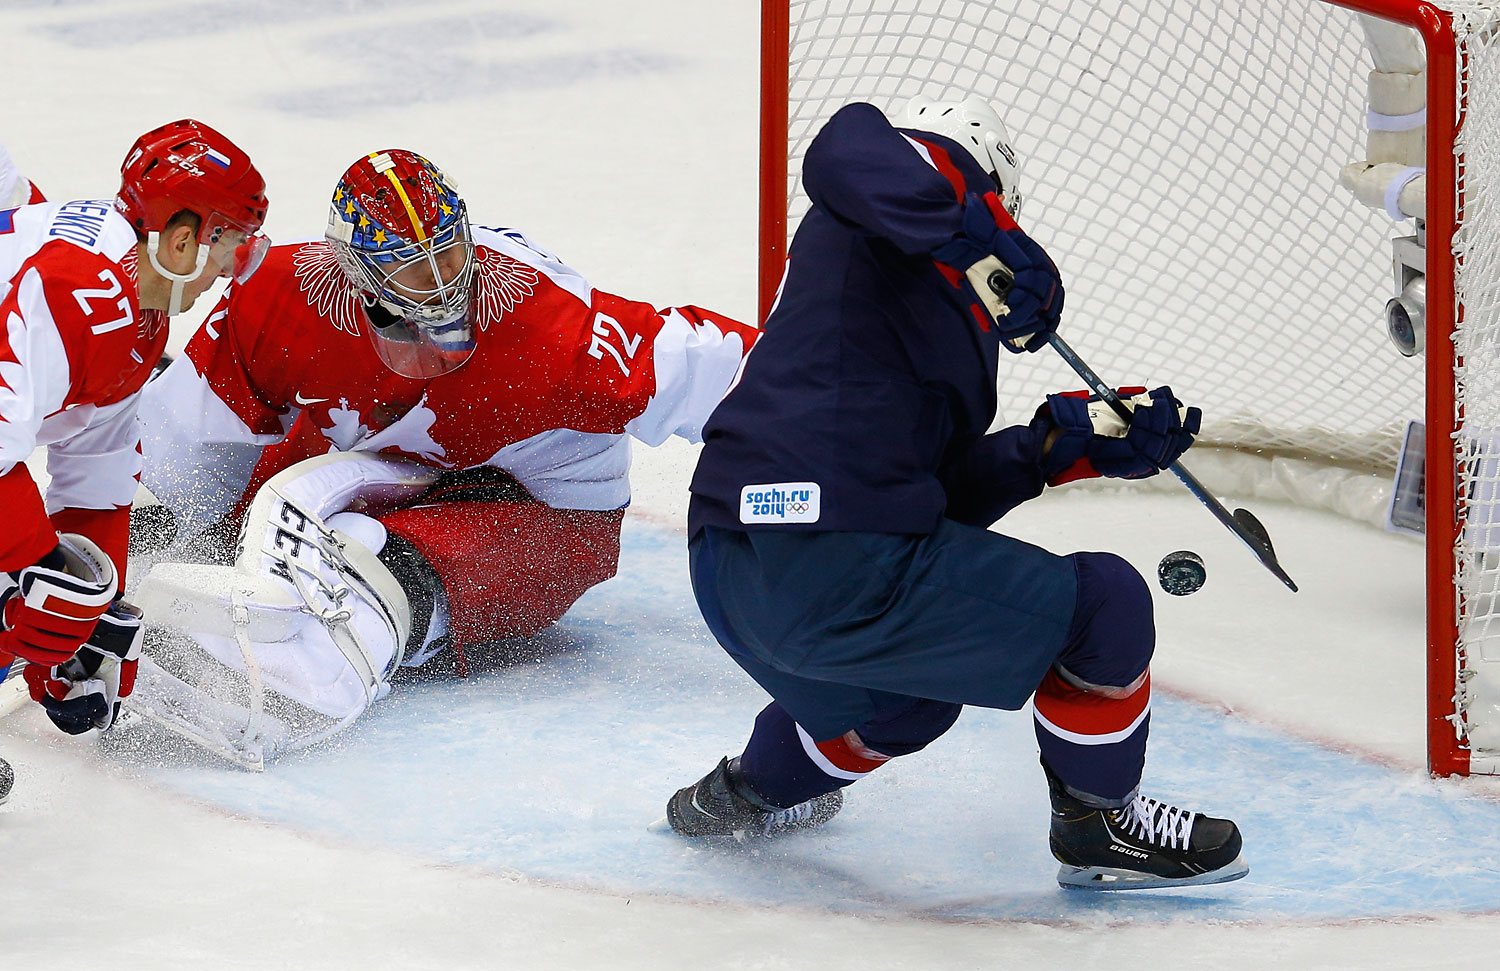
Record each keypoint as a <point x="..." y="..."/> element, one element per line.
<point x="307" y="617"/>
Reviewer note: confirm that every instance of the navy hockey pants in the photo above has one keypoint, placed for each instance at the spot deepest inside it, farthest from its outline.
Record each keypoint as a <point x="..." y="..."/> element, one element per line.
<point x="870" y="644"/>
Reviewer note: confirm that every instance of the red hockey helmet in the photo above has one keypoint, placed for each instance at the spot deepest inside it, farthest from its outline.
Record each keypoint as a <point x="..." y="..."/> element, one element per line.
<point x="188" y="165"/>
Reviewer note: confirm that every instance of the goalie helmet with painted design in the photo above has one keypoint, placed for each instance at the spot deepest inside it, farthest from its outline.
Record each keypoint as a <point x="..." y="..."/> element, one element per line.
<point x="975" y="124"/>
<point x="401" y="233"/>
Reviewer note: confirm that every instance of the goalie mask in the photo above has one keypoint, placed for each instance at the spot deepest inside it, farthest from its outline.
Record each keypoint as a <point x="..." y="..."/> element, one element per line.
<point x="401" y="235"/>
<point x="975" y="125"/>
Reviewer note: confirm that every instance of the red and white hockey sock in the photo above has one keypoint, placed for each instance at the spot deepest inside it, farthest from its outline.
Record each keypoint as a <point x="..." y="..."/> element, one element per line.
<point x="785" y="765"/>
<point x="1094" y="738"/>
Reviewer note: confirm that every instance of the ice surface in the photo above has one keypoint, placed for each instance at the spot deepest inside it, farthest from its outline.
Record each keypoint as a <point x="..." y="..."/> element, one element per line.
<point x="501" y="822"/>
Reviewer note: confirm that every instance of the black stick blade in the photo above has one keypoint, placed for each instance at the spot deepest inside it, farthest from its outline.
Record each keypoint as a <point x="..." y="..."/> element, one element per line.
<point x="1267" y="553"/>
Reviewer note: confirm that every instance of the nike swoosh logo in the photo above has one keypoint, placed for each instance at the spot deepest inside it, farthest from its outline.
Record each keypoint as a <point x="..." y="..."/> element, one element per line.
<point x="304" y="402"/>
<point x="699" y="806"/>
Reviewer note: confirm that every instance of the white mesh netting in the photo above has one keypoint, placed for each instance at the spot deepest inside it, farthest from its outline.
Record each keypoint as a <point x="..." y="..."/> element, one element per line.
<point x="1180" y="161"/>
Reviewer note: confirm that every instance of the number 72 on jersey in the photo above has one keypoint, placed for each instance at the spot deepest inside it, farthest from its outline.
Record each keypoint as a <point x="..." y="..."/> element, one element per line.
<point x="607" y="333"/>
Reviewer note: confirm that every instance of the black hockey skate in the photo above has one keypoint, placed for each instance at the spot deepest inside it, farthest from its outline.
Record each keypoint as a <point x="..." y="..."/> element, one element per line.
<point x="1141" y="845"/>
<point x="718" y="805"/>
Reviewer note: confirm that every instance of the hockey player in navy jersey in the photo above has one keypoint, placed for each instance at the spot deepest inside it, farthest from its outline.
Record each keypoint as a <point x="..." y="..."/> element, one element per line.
<point x="839" y="540"/>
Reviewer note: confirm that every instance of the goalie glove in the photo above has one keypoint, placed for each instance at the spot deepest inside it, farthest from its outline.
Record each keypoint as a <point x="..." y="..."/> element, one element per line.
<point x="1018" y="288"/>
<point x="86" y="690"/>
<point x="50" y="608"/>
<point x="1091" y="440"/>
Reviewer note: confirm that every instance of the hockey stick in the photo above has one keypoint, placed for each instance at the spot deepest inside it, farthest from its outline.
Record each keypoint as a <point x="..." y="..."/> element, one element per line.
<point x="1241" y="522"/>
<point x="13" y="690"/>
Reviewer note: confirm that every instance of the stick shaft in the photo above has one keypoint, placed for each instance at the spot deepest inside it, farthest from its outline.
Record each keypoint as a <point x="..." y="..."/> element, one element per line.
<point x="1260" y="548"/>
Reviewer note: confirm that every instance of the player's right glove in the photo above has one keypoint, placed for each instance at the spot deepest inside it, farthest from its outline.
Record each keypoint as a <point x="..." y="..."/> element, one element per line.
<point x="49" y="608"/>
<point x="1014" y="279"/>
<point x="85" y="691"/>
<point x="1091" y="440"/>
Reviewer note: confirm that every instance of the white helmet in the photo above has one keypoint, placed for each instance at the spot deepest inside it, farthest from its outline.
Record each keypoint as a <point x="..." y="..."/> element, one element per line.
<point x="974" y="124"/>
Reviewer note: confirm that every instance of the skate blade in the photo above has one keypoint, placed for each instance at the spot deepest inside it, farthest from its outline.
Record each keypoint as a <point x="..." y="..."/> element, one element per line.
<point x="1109" y="878"/>
<point x="737" y="838"/>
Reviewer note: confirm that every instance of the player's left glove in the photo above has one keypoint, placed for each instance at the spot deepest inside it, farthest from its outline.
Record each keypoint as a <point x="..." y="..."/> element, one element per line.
<point x="1091" y="440"/>
<point x="1014" y="279"/>
<point x="49" y="608"/>
<point x="86" y="690"/>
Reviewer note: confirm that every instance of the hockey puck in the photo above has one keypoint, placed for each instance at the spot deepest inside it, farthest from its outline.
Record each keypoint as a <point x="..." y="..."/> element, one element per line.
<point x="1181" y="573"/>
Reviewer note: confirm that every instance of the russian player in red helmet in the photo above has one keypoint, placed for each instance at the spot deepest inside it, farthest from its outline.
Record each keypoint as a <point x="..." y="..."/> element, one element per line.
<point x="194" y="199"/>
<point x="413" y="438"/>
<point x="86" y="286"/>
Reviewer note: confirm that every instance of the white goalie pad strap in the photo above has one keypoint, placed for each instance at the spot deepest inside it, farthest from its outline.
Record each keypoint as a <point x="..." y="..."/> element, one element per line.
<point x="1378" y="122"/>
<point x="1394" y="187"/>
<point x="325" y="568"/>
<point x="239" y="730"/>
<point x="1399" y="190"/>
<point x="213" y="724"/>
<point x="333" y="660"/>
<point x="307" y="612"/>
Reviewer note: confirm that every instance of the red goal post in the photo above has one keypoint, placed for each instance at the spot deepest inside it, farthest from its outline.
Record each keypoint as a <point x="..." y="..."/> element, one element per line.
<point x="1182" y="160"/>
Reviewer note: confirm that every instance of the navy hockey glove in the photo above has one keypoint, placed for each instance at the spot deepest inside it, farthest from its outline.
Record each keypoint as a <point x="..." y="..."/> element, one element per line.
<point x="1016" y="283"/>
<point x="1092" y="440"/>
<point x="85" y="691"/>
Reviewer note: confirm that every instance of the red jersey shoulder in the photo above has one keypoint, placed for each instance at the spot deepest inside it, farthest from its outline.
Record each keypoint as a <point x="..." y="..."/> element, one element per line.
<point x="297" y="308"/>
<point x="94" y="302"/>
<point x="86" y="292"/>
<point x="501" y="284"/>
<point x="292" y="333"/>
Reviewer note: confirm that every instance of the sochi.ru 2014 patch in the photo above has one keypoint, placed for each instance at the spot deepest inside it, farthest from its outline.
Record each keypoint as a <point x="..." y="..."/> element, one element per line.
<point x="780" y="502"/>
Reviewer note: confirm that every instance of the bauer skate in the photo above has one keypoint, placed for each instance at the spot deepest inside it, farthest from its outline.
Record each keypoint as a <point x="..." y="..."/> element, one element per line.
<point x="1143" y="844"/>
<point x="718" y="805"/>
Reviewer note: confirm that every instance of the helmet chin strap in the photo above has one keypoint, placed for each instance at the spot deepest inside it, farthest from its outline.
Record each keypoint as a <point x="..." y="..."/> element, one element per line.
<point x="179" y="280"/>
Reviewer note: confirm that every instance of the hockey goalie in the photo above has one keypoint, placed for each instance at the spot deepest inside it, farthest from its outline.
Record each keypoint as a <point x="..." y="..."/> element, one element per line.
<point x="393" y="444"/>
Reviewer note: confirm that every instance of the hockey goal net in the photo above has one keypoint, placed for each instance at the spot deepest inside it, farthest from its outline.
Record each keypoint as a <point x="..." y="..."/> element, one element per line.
<point x="1185" y="158"/>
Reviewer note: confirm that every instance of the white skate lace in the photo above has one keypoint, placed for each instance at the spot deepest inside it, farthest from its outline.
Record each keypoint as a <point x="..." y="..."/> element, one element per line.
<point x="794" y="816"/>
<point x="1157" y="823"/>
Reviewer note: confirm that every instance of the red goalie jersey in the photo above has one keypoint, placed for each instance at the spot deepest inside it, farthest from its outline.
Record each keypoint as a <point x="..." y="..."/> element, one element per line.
<point x="560" y="377"/>
<point x="561" y="373"/>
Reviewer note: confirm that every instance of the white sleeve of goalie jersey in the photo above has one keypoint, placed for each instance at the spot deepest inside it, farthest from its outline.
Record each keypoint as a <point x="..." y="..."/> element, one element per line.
<point x="695" y="368"/>
<point x="198" y="453"/>
<point x="569" y="469"/>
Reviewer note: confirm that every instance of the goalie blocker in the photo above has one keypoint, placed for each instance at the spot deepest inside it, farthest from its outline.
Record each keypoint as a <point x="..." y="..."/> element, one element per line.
<point x="293" y="641"/>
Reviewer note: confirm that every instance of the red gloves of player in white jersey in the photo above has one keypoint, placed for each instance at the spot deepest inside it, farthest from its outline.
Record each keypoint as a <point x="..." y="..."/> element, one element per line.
<point x="80" y="660"/>
<point x="52" y="606"/>
<point x="85" y="691"/>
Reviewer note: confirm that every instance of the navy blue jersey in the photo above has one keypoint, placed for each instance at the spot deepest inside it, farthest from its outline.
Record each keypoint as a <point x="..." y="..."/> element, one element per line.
<point x="864" y="405"/>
